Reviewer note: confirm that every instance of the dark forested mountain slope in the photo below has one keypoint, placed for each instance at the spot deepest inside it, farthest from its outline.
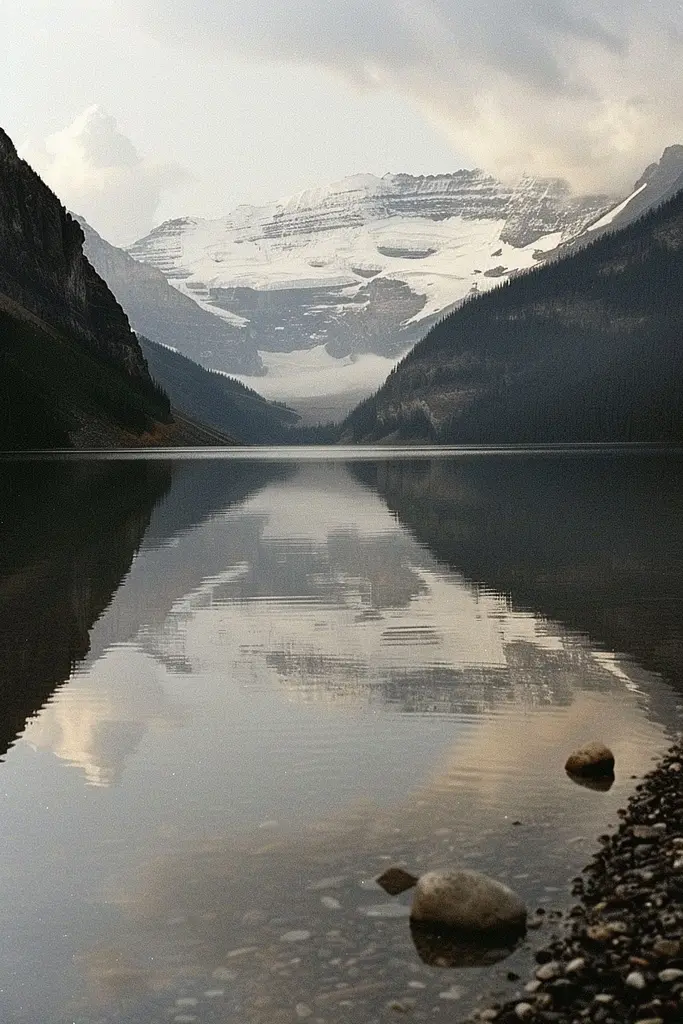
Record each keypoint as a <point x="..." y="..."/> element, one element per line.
<point x="589" y="348"/>
<point x="71" y="370"/>
<point x="221" y="402"/>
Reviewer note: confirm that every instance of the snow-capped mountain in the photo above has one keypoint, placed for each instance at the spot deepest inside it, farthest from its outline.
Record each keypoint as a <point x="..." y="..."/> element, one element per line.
<point x="333" y="285"/>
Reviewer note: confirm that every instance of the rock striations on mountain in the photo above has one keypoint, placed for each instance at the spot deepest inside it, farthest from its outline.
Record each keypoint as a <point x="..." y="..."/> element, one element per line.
<point x="361" y="268"/>
<point x="43" y="269"/>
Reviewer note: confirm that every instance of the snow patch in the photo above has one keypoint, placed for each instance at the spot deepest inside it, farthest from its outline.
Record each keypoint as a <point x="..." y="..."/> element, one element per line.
<point x="609" y="217"/>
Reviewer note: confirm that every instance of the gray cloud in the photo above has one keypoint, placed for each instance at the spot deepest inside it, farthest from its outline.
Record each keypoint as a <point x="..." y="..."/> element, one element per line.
<point x="590" y="89"/>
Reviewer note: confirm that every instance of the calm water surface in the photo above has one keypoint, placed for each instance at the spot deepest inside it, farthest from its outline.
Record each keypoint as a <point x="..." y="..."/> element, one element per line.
<point x="235" y="690"/>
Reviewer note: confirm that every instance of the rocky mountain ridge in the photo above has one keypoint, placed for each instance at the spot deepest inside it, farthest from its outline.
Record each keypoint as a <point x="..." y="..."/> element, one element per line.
<point x="72" y="373"/>
<point x="162" y="313"/>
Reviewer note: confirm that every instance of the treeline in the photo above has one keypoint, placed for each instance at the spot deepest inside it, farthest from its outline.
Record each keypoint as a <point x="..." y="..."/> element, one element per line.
<point x="589" y="348"/>
<point x="217" y="400"/>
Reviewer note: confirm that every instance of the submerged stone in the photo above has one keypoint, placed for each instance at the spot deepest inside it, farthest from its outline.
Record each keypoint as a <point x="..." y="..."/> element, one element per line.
<point x="396" y="880"/>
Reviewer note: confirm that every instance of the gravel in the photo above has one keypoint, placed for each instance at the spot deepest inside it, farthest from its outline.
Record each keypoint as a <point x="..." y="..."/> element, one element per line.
<point x="620" y="960"/>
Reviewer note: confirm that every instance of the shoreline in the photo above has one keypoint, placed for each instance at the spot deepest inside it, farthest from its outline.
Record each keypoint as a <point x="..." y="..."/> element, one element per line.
<point x="620" y="958"/>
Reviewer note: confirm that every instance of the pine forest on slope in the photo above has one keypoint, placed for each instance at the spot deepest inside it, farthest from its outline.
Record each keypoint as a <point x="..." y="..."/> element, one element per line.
<point x="589" y="348"/>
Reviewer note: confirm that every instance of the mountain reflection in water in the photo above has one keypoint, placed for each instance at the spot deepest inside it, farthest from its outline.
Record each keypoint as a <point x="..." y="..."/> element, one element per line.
<point x="308" y="671"/>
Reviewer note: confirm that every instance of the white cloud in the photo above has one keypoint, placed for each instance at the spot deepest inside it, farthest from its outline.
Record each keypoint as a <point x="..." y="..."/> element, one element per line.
<point x="97" y="172"/>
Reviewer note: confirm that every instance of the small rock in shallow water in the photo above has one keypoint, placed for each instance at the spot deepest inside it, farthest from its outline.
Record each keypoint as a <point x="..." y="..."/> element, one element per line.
<point x="303" y="1011"/>
<point x="593" y="760"/>
<point x="666" y="948"/>
<point x="469" y="901"/>
<point x="524" y="1010"/>
<point x="575" y="965"/>
<point x="451" y="993"/>
<point x="548" y="971"/>
<point x="327" y="883"/>
<point x="670" y="975"/>
<point x="603" y="933"/>
<point x="330" y="903"/>
<point x="644" y="832"/>
<point x="295" y="936"/>
<point x="224" y="974"/>
<point x="396" y="880"/>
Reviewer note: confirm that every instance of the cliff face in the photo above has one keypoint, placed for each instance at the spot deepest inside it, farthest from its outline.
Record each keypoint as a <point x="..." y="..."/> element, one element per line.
<point x="43" y="269"/>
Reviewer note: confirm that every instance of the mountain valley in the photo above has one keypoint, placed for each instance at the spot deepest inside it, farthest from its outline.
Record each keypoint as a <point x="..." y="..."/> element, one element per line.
<point x="328" y="289"/>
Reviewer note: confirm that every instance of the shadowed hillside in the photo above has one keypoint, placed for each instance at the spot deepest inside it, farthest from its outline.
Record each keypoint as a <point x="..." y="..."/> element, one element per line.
<point x="585" y="349"/>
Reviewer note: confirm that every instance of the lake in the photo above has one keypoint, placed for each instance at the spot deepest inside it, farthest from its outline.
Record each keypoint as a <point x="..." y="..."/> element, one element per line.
<point x="237" y="686"/>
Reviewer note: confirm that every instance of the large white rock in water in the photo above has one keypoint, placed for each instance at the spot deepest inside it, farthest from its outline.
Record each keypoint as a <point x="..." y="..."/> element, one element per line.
<point x="469" y="902"/>
<point x="593" y="760"/>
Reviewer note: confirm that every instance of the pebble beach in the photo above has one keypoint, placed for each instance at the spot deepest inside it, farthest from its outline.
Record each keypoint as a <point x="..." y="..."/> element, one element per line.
<point x="620" y="957"/>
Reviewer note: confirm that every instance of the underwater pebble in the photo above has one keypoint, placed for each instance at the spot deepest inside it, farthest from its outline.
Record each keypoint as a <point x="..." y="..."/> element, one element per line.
<point x="223" y="974"/>
<point x="451" y="993"/>
<point x="327" y="883"/>
<point x="303" y="1011"/>
<point x="330" y="903"/>
<point x="295" y="936"/>
<point x="386" y="910"/>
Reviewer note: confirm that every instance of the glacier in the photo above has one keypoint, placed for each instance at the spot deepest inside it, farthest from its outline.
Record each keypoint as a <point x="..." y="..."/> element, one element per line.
<point x="330" y="287"/>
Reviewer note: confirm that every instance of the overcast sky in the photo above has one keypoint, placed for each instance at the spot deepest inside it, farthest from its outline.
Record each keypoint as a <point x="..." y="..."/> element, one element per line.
<point x="138" y="110"/>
